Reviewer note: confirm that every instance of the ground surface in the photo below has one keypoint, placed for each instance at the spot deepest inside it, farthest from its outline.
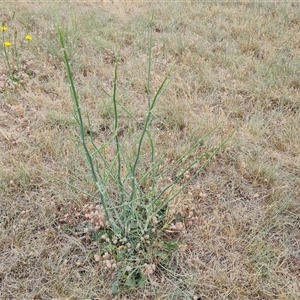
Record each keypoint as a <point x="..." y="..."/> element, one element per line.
<point x="236" y="64"/>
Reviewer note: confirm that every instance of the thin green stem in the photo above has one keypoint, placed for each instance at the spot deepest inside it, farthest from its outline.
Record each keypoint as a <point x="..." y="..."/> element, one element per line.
<point x="8" y="64"/>
<point x="116" y="119"/>
<point x="149" y="62"/>
<point x="141" y="140"/>
<point x="16" y="56"/>
<point x="78" y="113"/>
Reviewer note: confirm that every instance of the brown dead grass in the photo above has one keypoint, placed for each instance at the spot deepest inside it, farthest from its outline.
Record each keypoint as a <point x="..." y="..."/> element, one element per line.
<point x="234" y="63"/>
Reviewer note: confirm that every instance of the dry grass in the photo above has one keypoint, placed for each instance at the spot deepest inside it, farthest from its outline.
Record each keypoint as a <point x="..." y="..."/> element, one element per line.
<point x="234" y="63"/>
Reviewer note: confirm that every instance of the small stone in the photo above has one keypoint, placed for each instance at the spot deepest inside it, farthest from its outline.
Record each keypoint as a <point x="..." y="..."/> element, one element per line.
<point x="97" y="257"/>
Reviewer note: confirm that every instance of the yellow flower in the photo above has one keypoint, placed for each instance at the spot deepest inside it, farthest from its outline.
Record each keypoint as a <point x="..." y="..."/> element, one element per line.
<point x="28" y="37"/>
<point x="7" y="44"/>
<point x="3" y="28"/>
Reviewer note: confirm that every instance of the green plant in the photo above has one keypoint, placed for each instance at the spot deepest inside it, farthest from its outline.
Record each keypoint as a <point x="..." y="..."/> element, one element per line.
<point x="10" y="51"/>
<point x="132" y="225"/>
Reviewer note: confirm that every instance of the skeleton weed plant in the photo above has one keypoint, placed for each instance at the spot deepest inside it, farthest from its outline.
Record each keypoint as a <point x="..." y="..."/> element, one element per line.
<point x="131" y="221"/>
<point x="10" y="51"/>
